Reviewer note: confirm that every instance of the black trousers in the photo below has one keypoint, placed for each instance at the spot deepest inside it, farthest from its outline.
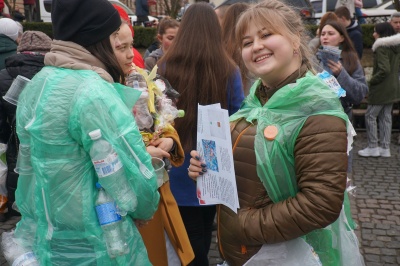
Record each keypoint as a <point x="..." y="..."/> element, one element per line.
<point x="198" y="222"/>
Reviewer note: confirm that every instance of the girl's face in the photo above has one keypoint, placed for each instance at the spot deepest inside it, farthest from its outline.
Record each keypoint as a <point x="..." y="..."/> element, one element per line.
<point x="167" y="38"/>
<point x="270" y="56"/>
<point x="375" y="34"/>
<point x="122" y="45"/>
<point x="330" y="36"/>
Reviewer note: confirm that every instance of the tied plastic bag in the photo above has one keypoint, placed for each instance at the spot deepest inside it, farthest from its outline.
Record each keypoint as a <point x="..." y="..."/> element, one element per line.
<point x="294" y="252"/>
<point x="3" y="177"/>
<point x="332" y="83"/>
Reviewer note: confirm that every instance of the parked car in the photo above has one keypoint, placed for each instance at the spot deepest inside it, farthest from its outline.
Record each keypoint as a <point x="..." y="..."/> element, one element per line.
<point x="384" y="9"/>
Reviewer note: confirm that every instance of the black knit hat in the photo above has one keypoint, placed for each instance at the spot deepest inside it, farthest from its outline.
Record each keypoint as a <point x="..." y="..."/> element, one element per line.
<point x="84" y="22"/>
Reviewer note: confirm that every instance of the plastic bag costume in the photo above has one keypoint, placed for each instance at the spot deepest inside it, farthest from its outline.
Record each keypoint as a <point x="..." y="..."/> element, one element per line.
<point x="56" y="190"/>
<point x="288" y="110"/>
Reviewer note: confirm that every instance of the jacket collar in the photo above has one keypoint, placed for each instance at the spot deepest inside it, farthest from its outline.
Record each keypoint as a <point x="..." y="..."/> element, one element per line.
<point x="386" y="42"/>
<point x="73" y="56"/>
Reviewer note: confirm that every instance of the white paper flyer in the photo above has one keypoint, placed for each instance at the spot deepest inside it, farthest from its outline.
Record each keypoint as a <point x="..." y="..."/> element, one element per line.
<point x="218" y="184"/>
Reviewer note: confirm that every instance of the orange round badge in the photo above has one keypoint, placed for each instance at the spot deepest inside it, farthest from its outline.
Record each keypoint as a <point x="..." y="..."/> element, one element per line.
<point x="270" y="132"/>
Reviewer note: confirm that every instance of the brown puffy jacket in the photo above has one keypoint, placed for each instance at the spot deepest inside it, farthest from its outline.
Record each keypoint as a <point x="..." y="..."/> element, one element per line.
<point x="321" y="164"/>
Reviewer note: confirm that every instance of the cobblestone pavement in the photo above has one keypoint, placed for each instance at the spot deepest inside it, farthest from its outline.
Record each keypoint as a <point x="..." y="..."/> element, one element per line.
<point x="376" y="207"/>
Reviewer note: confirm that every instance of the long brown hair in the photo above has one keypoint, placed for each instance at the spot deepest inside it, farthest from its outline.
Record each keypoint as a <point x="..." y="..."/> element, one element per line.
<point x="349" y="55"/>
<point x="103" y="51"/>
<point x="231" y="45"/>
<point x="198" y="67"/>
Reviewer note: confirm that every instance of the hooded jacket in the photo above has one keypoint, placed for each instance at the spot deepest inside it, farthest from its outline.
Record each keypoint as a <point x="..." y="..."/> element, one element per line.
<point x="384" y="85"/>
<point x="70" y="97"/>
<point x="355" y="33"/>
<point x="26" y="65"/>
<point x="7" y="47"/>
<point x="153" y="58"/>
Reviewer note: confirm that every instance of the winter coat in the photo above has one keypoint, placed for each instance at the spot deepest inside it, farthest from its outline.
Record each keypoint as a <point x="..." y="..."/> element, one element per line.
<point x="320" y="163"/>
<point x="70" y="97"/>
<point x="355" y="86"/>
<point x="7" y="47"/>
<point x="153" y="58"/>
<point x="384" y="85"/>
<point x="26" y="65"/>
<point x="355" y="33"/>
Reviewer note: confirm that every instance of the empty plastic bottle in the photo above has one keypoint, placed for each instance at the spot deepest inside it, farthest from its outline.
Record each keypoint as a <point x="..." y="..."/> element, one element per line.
<point x="140" y="111"/>
<point x="16" y="254"/>
<point x="110" y="171"/>
<point x="110" y="222"/>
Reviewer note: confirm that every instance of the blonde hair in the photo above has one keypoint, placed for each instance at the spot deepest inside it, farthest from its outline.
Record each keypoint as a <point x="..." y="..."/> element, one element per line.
<point x="277" y="18"/>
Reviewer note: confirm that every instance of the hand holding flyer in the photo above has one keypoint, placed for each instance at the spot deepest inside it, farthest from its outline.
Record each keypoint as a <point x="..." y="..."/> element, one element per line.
<point x="218" y="184"/>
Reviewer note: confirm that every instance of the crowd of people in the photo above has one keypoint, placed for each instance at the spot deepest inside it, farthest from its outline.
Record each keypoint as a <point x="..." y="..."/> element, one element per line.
<point x="291" y="133"/>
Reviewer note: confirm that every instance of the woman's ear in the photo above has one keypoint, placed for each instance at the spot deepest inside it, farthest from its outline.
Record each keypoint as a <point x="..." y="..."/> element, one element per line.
<point x="159" y="37"/>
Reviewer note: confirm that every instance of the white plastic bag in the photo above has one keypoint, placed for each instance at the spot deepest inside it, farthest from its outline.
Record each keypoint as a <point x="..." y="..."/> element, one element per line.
<point x="294" y="252"/>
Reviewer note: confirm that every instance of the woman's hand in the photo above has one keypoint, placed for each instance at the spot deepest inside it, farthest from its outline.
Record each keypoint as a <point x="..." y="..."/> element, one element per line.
<point x="336" y="67"/>
<point x="196" y="167"/>
<point x="163" y="143"/>
<point x="157" y="152"/>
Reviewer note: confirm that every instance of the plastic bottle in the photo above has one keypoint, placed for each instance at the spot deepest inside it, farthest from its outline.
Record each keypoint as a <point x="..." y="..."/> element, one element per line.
<point x="140" y="111"/>
<point x="110" y="171"/>
<point x="110" y="222"/>
<point x="16" y="254"/>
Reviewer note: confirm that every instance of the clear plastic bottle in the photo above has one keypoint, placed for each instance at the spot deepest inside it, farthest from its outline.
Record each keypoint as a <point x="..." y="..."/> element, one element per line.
<point x="140" y="111"/>
<point x="110" y="222"/>
<point x="16" y="254"/>
<point x="110" y="171"/>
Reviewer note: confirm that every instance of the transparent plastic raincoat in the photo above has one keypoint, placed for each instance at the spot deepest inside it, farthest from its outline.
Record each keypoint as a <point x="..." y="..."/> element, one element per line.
<point x="56" y="190"/>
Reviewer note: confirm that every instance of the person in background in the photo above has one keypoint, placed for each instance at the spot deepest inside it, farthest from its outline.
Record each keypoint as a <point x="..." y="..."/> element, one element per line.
<point x="166" y="32"/>
<point x="358" y="4"/>
<point x="395" y="21"/>
<point x="165" y="236"/>
<point x="142" y="11"/>
<point x="77" y="92"/>
<point x="205" y="77"/>
<point x="28" y="61"/>
<point x="137" y="57"/>
<point x="17" y="15"/>
<point x="220" y="11"/>
<point x="8" y="39"/>
<point x="353" y="29"/>
<point x="315" y="43"/>
<point x="231" y="45"/>
<point x="384" y="90"/>
<point x="289" y="150"/>
<point x="347" y="71"/>
<point x="29" y="6"/>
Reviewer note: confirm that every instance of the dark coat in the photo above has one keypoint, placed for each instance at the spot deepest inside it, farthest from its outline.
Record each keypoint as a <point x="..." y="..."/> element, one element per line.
<point x="384" y="84"/>
<point x="19" y="64"/>
<point x="7" y="47"/>
<point x="355" y="33"/>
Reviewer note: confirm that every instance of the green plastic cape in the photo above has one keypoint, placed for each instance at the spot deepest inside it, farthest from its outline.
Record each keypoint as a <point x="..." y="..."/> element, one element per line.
<point x="288" y="109"/>
<point x="56" y="188"/>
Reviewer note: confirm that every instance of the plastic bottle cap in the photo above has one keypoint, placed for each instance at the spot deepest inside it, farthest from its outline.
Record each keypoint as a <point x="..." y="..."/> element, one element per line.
<point x="98" y="186"/>
<point x="95" y="134"/>
<point x="270" y="132"/>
